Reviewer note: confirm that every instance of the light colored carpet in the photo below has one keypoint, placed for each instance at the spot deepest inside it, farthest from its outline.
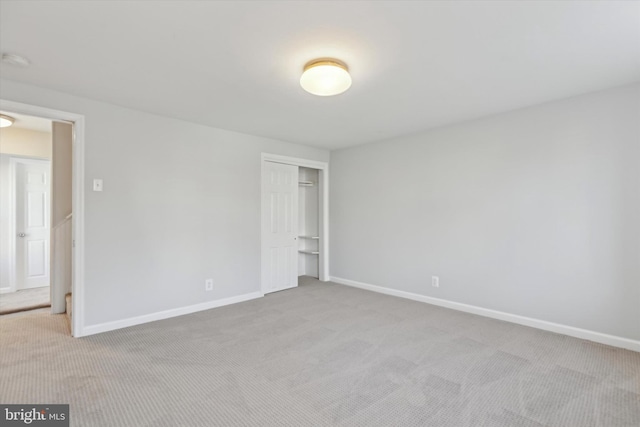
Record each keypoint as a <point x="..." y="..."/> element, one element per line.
<point x="320" y="355"/>
<point x="24" y="299"/>
<point x="25" y="313"/>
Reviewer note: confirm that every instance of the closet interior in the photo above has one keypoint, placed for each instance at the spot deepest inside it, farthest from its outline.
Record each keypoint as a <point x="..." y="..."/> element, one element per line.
<point x="308" y="222"/>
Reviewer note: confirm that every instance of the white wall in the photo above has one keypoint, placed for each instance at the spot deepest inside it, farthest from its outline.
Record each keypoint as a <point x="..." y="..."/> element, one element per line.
<point x="61" y="206"/>
<point x="5" y="215"/>
<point x="61" y="172"/>
<point x="181" y="203"/>
<point x="25" y="142"/>
<point x="535" y="212"/>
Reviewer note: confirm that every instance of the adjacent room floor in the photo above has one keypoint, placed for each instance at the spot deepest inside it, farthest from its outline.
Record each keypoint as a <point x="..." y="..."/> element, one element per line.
<point x="318" y="355"/>
<point x="26" y="299"/>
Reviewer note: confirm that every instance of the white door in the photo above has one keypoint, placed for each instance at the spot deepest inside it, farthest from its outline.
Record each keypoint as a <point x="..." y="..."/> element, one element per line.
<point x="32" y="223"/>
<point x="279" y="227"/>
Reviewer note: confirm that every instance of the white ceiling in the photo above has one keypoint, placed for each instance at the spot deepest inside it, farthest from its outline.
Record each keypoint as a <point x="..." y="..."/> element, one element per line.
<point x="236" y="65"/>
<point x="29" y="122"/>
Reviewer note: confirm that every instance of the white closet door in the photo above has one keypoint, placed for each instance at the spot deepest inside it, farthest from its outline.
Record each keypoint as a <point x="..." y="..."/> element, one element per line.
<point x="280" y="227"/>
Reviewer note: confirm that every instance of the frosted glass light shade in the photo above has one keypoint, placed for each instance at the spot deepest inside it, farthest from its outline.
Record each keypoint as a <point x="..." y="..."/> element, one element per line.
<point x="325" y="78"/>
<point x="5" y="121"/>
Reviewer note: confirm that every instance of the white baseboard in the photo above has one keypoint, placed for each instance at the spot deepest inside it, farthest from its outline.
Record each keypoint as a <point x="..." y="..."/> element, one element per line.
<point x="138" y="320"/>
<point x="585" y="334"/>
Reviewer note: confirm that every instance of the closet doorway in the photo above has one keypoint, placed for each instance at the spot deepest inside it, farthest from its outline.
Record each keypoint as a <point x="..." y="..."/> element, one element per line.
<point x="294" y="221"/>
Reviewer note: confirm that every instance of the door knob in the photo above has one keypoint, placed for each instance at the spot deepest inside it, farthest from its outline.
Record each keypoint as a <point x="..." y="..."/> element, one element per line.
<point x="21" y="235"/>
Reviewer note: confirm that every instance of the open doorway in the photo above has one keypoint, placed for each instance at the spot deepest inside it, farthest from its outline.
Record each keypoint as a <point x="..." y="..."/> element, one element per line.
<point x="36" y="211"/>
<point x="308" y="223"/>
<point x="25" y="170"/>
<point x="73" y="305"/>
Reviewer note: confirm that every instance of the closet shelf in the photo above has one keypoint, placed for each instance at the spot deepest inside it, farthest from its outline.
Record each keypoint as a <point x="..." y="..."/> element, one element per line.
<point x="306" y="183"/>
<point x="308" y="252"/>
<point x="310" y="237"/>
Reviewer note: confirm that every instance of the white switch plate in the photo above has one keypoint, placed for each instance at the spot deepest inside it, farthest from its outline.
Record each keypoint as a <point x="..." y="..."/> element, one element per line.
<point x="97" y="185"/>
<point x="435" y="281"/>
<point x="208" y="285"/>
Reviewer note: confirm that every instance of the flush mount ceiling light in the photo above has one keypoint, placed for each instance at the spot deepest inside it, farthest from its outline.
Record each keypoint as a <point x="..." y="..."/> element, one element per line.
<point x="6" y="121"/>
<point x="13" y="59"/>
<point x="325" y="77"/>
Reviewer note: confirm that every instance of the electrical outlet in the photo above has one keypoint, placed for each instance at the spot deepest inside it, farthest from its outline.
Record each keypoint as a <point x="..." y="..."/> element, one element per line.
<point x="435" y="281"/>
<point x="208" y="285"/>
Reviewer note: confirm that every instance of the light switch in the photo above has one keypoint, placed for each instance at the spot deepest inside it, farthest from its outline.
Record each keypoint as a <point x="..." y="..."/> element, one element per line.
<point x="97" y="185"/>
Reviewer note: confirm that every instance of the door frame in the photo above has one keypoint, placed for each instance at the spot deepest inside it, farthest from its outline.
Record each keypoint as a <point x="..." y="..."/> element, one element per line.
<point x="77" y="200"/>
<point x="13" y="217"/>
<point x="323" y="209"/>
